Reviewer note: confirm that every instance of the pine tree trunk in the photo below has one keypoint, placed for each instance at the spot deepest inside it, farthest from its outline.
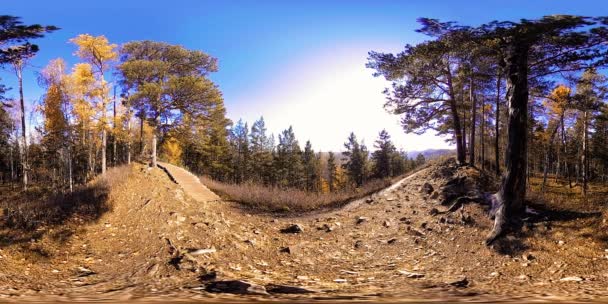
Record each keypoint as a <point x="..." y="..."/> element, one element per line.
<point x="141" y="136"/>
<point x="23" y="151"/>
<point x="464" y="131"/>
<point x="510" y="198"/>
<point x="584" y="160"/>
<point x="460" y="153"/>
<point x="496" y="140"/>
<point x="482" y="138"/>
<point x="473" y="123"/>
<point x="154" y="140"/>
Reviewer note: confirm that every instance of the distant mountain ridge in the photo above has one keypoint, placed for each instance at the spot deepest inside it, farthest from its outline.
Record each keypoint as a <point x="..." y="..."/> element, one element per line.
<point x="430" y="153"/>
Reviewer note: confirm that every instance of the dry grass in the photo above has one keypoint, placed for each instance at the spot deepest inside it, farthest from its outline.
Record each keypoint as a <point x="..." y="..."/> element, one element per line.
<point x="290" y="200"/>
<point x="40" y="206"/>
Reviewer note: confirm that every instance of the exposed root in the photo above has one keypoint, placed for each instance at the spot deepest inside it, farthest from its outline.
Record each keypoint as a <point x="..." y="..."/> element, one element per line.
<point x="500" y="225"/>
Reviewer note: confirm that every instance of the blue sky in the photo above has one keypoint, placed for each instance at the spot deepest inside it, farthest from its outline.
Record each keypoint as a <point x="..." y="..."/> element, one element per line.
<point x="294" y="62"/>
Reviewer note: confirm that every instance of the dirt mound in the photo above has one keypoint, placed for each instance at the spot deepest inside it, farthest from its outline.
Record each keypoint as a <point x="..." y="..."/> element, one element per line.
<point x="156" y="242"/>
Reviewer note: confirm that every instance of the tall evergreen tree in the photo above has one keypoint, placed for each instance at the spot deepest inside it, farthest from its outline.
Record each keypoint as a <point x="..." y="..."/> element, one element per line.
<point x="355" y="164"/>
<point x="384" y="156"/>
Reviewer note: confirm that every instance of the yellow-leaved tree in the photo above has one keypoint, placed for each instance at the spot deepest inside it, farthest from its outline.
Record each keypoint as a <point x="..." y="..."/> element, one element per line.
<point x="99" y="53"/>
<point x="172" y="151"/>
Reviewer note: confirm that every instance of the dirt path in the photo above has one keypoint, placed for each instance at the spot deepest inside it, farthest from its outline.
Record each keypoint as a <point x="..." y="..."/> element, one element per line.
<point x="157" y="242"/>
<point x="189" y="182"/>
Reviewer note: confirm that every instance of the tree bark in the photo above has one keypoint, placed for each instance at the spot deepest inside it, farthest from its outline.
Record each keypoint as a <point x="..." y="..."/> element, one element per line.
<point x="103" y="150"/>
<point x="23" y="152"/>
<point x="460" y="153"/>
<point x="114" y="133"/>
<point x="473" y="122"/>
<point x="510" y="198"/>
<point x="584" y="158"/>
<point x="496" y="140"/>
<point x="154" y="139"/>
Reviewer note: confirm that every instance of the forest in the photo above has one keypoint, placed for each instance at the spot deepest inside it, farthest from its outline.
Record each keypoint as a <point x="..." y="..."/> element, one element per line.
<point x="127" y="175"/>
<point x="158" y="101"/>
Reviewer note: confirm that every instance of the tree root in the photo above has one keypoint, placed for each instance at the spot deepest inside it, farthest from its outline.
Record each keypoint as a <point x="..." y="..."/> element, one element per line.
<point x="500" y="225"/>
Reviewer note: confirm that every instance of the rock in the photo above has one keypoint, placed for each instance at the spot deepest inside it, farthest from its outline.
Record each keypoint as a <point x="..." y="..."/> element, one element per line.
<point x="272" y="288"/>
<point x="423" y="225"/>
<point x="201" y="251"/>
<point x="528" y="257"/>
<point x="572" y="279"/>
<point x="361" y="220"/>
<point x="435" y="195"/>
<point x="302" y="278"/>
<point x="561" y="243"/>
<point x="433" y="212"/>
<point x="391" y="241"/>
<point x="294" y="228"/>
<point x="340" y="280"/>
<point x="458" y="282"/>
<point x="411" y="275"/>
<point x="427" y="188"/>
<point x="369" y="200"/>
<point x="326" y="227"/>
<point x="84" y="272"/>
<point x="236" y="287"/>
<point x="387" y="223"/>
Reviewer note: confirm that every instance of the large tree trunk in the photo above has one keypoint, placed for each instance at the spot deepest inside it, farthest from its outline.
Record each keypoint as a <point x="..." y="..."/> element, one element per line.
<point x="460" y="153"/>
<point x="154" y="140"/>
<point x="510" y="198"/>
<point x="473" y="122"/>
<point x="496" y="140"/>
<point x="23" y="150"/>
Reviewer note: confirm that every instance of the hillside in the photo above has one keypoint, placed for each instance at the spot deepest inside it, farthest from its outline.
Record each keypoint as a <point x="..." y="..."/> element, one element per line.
<point x="156" y="242"/>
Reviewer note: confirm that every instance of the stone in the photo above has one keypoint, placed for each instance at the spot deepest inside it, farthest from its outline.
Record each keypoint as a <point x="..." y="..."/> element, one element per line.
<point x="201" y="251"/>
<point x="236" y="287"/>
<point x="294" y="228"/>
<point x="361" y="220"/>
<point x="572" y="279"/>
<point x="433" y="212"/>
<point x="427" y="188"/>
<point x="369" y="200"/>
<point x="387" y="223"/>
<point x="411" y="275"/>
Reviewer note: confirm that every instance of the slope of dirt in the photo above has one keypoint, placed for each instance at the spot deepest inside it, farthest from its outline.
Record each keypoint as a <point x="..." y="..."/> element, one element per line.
<point x="157" y="243"/>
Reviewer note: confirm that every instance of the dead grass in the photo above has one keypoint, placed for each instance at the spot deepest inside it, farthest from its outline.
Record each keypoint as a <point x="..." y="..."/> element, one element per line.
<point x="42" y="206"/>
<point x="290" y="200"/>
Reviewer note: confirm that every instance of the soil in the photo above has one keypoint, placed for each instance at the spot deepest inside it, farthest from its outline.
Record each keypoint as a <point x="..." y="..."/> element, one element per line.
<point x="158" y="243"/>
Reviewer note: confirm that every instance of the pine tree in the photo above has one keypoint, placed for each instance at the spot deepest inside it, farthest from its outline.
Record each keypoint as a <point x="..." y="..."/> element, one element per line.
<point x="288" y="161"/>
<point x="312" y="168"/>
<point x="356" y="160"/>
<point x="384" y="156"/>
<point x="332" y="172"/>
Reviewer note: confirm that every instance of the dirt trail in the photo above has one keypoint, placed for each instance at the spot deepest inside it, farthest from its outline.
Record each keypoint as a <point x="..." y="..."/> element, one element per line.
<point x="159" y="243"/>
<point x="189" y="182"/>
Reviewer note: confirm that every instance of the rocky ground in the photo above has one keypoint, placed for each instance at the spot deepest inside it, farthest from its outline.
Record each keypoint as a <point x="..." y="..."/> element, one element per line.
<point x="156" y="243"/>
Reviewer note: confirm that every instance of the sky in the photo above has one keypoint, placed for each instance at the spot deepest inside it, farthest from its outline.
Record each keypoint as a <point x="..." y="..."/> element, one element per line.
<point x="298" y="63"/>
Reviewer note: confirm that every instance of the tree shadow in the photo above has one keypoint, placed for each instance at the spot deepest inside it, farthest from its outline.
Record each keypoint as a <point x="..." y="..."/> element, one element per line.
<point x="29" y="215"/>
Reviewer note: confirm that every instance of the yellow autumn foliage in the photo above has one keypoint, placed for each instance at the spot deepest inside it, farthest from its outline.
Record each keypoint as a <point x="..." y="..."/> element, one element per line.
<point x="172" y="151"/>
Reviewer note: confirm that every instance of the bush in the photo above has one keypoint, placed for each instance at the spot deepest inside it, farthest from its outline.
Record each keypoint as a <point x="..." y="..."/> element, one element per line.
<point x="290" y="200"/>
